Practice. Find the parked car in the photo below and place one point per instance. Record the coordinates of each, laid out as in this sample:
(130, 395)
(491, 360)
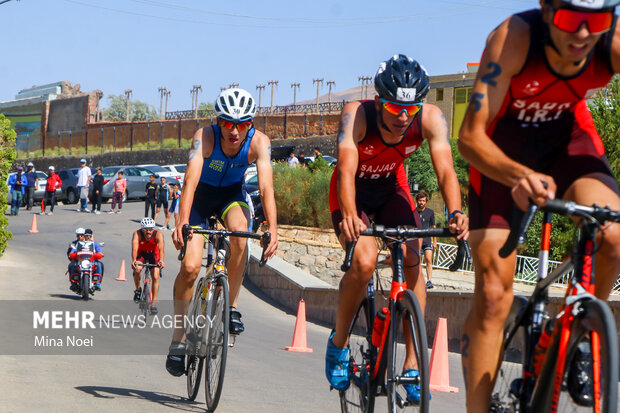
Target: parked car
(161, 171)
(178, 170)
(331, 161)
(251, 187)
(136, 176)
(39, 193)
(70, 194)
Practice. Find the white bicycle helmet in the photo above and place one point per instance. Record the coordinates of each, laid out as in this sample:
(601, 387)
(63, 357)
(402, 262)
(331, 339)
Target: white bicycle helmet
(235, 104)
(147, 223)
(593, 4)
(80, 231)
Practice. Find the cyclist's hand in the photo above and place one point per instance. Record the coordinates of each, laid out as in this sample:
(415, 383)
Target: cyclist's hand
(273, 244)
(177, 235)
(531, 187)
(161, 264)
(351, 226)
(135, 265)
(459, 224)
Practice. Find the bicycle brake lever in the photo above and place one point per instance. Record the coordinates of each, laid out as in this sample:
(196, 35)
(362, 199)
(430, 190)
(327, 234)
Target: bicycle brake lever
(348, 255)
(266, 240)
(185, 234)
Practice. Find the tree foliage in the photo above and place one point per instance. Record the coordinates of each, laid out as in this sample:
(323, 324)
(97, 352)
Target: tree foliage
(605, 108)
(7, 156)
(138, 111)
(206, 106)
(563, 235)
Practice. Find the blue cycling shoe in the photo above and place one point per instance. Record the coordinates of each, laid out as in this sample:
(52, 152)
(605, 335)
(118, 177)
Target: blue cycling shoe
(337, 365)
(413, 390)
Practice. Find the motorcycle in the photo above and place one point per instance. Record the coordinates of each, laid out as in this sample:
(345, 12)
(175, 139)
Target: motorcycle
(85, 257)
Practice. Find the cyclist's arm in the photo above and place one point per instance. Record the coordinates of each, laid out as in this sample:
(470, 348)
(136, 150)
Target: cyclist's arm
(134, 249)
(202, 146)
(351, 130)
(435, 131)
(160, 246)
(262, 150)
(615, 50)
(504, 56)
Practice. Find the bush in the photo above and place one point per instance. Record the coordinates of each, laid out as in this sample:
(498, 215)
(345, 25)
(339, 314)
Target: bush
(7, 155)
(302, 197)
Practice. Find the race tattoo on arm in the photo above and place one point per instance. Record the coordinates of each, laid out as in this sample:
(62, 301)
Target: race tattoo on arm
(343, 124)
(194, 149)
(489, 78)
(464, 345)
(475, 103)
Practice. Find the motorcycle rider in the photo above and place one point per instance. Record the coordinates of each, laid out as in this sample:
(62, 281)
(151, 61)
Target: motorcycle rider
(83, 245)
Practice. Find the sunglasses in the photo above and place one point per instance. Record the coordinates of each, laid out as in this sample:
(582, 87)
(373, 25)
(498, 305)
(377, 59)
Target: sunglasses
(148, 229)
(398, 108)
(570, 21)
(241, 126)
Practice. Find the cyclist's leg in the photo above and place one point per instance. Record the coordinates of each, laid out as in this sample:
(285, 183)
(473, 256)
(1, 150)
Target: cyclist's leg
(428, 259)
(593, 189)
(155, 277)
(236, 218)
(184, 282)
(484, 326)
(137, 271)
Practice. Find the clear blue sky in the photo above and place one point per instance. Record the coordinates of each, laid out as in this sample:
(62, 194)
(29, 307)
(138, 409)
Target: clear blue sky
(115, 45)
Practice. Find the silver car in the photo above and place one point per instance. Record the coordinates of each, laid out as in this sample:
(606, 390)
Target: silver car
(136, 176)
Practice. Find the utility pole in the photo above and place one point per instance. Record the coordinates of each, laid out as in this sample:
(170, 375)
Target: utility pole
(272, 83)
(166, 107)
(295, 86)
(260, 89)
(234, 84)
(330, 83)
(162, 92)
(365, 80)
(128, 94)
(194, 93)
(319, 83)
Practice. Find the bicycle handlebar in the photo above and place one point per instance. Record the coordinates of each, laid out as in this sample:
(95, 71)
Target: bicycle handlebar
(148, 265)
(404, 234)
(265, 238)
(522, 220)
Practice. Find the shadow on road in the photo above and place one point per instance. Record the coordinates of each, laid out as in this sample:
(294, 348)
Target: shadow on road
(165, 399)
(68, 296)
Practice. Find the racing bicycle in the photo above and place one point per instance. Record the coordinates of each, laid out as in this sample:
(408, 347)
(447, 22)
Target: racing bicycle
(377, 342)
(207, 337)
(569, 361)
(146, 289)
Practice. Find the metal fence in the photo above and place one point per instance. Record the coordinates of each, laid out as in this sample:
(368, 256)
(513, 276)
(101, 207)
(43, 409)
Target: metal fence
(327, 107)
(525, 272)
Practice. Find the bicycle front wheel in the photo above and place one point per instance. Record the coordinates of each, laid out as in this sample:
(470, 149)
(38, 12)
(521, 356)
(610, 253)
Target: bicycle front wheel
(593, 372)
(407, 349)
(217, 341)
(360, 396)
(194, 342)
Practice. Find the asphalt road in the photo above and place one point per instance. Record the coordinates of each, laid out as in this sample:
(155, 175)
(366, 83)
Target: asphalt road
(260, 376)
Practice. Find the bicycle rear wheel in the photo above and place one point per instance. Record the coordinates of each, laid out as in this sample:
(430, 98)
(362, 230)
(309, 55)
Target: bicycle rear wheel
(410, 328)
(217, 341)
(596, 319)
(360, 396)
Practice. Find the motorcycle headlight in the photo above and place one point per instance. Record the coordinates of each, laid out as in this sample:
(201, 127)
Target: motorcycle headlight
(85, 264)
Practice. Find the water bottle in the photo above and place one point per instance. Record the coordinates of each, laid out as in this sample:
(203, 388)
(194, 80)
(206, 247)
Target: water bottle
(378, 326)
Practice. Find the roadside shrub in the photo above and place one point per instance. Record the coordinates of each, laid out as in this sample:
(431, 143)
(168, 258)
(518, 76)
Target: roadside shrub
(302, 197)
(7, 155)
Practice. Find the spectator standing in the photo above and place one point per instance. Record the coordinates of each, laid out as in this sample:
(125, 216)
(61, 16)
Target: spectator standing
(163, 194)
(302, 160)
(17, 185)
(317, 153)
(427, 220)
(83, 182)
(174, 205)
(33, 185)
(53, 182)
(120, 186)
(97, 190)
(292, 160)
(150, 193)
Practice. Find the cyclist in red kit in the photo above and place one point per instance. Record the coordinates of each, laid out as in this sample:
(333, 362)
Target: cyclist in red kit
(374, 139)
(529, 135)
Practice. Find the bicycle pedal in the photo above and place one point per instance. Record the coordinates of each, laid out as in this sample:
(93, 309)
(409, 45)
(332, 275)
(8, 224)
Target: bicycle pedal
(231, 343)
(400, 402)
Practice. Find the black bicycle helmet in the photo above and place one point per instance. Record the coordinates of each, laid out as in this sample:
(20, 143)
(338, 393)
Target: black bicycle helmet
(402, 79)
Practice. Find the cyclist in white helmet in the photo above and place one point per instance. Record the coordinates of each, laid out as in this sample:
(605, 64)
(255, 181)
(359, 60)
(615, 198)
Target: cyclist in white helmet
(218, 159)
(528, 123)
(147, 247)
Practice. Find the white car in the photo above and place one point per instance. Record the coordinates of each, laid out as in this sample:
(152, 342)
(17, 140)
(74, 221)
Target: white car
(161, 171)
(178, 170)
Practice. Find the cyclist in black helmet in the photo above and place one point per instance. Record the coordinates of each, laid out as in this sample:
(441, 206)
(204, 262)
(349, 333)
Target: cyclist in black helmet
(374, 139)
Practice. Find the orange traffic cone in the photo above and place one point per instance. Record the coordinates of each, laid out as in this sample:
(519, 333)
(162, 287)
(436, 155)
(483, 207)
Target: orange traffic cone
(440, 371)
(121, 272)
(299, 336)
(33, 228)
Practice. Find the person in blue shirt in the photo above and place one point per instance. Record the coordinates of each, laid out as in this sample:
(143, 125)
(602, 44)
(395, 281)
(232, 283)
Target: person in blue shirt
(33, 185)
(17, 185)
(219, 156)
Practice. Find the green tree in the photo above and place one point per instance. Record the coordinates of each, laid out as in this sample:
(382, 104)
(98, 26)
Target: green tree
(138, 111)
(205, 106)
(563, 235)
(7, 156)
(605, 108)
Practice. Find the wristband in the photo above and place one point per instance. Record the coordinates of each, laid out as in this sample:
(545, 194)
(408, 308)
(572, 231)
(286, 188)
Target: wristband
(453, 213)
